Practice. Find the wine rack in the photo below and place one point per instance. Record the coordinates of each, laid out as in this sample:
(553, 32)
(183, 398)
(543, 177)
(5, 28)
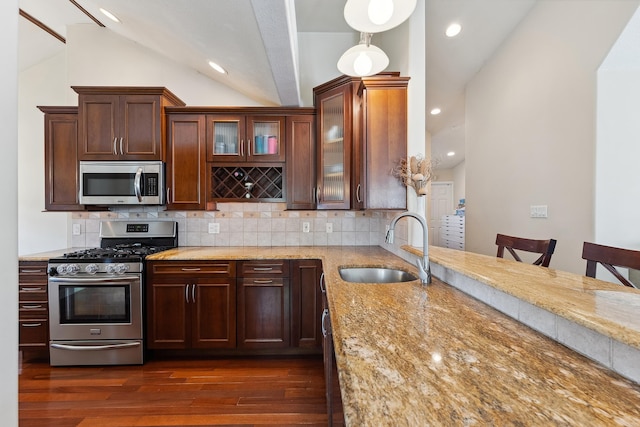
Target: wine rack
(247, 183)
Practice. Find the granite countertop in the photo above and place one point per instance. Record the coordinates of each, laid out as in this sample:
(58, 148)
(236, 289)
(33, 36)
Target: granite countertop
(45, 256)
(414, 355)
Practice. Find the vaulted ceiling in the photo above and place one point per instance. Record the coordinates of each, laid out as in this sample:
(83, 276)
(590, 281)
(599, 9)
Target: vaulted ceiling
(256, 42)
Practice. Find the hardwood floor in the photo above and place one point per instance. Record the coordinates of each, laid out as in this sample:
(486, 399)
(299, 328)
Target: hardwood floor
(234, 391)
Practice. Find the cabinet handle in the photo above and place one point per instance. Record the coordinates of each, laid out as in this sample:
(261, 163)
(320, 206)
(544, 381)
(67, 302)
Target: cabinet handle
(31, 271)
(168, 195)
(318, 194)
(262, 268)
(358, 193)
(31, 325)
(121, 150)
(31, 307)
(115, 150)
(32, 289)
(193, 293)
(313, 194)
(242, 148)
(186, 293)
(190, 268)
(322, 287)
(325, 313)
(262, 282)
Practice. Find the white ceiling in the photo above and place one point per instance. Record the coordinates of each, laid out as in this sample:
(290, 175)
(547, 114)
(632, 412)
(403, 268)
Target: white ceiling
(248, 37)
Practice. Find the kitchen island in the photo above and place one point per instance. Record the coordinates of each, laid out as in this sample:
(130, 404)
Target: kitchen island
(414, 355)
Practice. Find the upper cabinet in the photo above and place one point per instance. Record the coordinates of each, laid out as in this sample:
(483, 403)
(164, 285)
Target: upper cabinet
(361, 135)
(245, 138)
(122, 123)
(60, 158)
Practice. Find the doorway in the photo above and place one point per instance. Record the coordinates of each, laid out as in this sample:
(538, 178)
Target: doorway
(441, 204)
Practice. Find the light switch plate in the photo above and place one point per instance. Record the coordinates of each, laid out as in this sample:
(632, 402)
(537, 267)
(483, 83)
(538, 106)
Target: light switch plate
(306, 227)
(329, 227)
(76, 230)
(539, 211)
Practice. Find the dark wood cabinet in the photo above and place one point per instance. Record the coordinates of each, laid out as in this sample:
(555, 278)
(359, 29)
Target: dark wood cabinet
(233, 138)
(186, 173)
(122, 123)
(382, 142)
(191, 304)
(301, 162)
(333, 397)
(33, 308)
(60, 159)
(306, 304)
(361, 135)
(263, 304)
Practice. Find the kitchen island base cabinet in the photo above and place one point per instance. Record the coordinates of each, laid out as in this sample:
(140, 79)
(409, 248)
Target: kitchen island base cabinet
(191, 305)
(335, 415)
(306, 304)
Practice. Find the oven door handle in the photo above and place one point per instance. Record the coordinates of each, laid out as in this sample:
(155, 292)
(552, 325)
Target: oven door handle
(91, 279)
(94, 347)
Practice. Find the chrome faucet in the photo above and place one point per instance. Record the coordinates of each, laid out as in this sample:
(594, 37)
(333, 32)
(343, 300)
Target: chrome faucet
(424, 271)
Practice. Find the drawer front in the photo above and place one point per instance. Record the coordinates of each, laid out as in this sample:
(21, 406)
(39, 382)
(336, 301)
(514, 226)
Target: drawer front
(32, 292)
(33, 310)
(33, 272)
(34, 333)
(264, 268)
(191, 269)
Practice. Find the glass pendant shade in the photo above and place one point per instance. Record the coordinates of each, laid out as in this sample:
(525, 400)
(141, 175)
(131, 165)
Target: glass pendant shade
(374, 16)
(363, 60)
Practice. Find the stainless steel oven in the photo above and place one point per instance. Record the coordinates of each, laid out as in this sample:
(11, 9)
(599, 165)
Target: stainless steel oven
(97, 313)
(96, 295)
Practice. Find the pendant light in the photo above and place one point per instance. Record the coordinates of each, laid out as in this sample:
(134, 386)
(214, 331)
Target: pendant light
(364, 59)
(374, 16)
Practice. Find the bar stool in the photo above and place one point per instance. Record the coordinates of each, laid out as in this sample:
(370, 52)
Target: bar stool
(610, 257)
(543, 247)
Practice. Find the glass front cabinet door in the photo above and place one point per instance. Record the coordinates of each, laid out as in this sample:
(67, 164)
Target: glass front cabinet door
(232, 139)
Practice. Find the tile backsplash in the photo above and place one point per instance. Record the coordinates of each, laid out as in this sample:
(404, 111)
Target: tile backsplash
(254, 224)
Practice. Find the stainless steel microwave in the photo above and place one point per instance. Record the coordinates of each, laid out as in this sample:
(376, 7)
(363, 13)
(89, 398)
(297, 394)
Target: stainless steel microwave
(121, 183)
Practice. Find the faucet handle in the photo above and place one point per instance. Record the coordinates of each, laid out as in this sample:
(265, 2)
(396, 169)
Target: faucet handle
(389, 237)
(424, 272)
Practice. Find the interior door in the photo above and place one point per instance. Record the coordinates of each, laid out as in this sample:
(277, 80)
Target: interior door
(441, 204)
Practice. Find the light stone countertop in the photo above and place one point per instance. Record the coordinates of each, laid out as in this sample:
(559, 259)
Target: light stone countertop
(410, 355)
(45, 256)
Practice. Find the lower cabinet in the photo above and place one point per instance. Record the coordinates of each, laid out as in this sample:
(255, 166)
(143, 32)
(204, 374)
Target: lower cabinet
(263, 304)
(33, 308)
(191, 304)
(272, 305)
(335, 414)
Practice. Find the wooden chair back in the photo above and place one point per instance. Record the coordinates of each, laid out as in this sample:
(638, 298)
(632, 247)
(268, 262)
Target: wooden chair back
(543, 247)
(610, 257)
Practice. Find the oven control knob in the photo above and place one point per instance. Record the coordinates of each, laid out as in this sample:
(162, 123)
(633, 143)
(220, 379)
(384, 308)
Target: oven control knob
(110, 268)
(62, 269)
(122, 268)
(73, 269)
(92, 268)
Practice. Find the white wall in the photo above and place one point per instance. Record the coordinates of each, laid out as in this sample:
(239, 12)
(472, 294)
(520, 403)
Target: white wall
(459, 189)
(617, 153)
(9, 196)
(531, 128)
(42, 84)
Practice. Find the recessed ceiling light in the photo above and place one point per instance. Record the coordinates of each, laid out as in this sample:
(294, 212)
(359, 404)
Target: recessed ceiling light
(453, 30)
(451, 153)
(435, 111)
(109, 15)
(217, 67)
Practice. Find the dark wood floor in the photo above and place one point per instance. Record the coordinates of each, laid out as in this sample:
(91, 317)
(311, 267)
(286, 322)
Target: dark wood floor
(234, 391)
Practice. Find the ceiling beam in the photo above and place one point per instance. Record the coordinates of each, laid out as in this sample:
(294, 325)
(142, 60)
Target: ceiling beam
(41, 25)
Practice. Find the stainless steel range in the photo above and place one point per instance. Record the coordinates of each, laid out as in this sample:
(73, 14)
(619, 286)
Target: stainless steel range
(95, 295)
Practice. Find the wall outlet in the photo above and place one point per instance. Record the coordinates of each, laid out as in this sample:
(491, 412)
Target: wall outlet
(76, 230)
(329, 227)
(539, 211)
(306, 227)
(214, 228)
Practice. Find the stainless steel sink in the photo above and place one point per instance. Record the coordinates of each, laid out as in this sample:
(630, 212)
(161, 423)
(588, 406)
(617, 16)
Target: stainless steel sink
(375, 275)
